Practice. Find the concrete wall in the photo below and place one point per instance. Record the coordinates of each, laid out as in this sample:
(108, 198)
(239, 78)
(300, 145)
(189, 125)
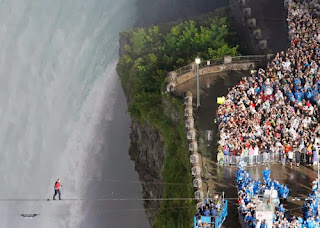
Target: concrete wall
(174, 79)
(195, 158)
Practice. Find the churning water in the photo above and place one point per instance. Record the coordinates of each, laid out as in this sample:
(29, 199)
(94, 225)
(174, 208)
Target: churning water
(62, 114)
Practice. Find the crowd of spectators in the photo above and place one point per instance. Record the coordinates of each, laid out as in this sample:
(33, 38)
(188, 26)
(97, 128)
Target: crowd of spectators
(271, 192)
(250, 192)
(277, 109)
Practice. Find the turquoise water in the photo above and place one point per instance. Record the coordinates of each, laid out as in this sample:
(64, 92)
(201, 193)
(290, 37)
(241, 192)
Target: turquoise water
(62, 111)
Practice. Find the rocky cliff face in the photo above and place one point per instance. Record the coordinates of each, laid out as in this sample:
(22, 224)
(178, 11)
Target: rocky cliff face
(148, 151)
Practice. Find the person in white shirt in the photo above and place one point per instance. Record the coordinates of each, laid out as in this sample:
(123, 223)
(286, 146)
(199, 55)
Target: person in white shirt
(290, 156)
(305, 123)
(311, 110)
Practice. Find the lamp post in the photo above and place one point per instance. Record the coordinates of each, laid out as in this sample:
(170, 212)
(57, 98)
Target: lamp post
(198, 61)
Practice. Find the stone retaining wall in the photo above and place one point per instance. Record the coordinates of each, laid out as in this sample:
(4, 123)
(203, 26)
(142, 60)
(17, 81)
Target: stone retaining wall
(193, 146)
(228, 63)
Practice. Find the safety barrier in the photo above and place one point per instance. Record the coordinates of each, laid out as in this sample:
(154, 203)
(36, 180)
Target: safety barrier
(183, 70)
(262, 158)
(222, 215)
(219, 61)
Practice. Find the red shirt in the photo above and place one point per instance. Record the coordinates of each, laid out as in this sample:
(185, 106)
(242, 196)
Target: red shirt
(294, 41)
(308, 103)
(240, 138)
(57, 185)
(287, 149)
(262, 95)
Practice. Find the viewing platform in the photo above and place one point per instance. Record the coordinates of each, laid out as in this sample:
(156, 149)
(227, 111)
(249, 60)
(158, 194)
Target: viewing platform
(225, 64)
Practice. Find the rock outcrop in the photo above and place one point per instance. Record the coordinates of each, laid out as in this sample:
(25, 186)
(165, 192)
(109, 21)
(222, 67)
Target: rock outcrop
(148, 152)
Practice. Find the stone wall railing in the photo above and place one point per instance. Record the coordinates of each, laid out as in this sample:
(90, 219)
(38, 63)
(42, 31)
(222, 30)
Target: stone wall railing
(227, 63)
(193, 146)
(251, 23)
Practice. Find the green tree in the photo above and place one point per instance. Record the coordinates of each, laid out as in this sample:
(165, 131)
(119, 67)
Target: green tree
(138, 41)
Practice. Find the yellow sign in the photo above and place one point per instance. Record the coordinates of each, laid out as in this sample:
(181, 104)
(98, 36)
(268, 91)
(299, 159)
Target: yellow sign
(221, 100)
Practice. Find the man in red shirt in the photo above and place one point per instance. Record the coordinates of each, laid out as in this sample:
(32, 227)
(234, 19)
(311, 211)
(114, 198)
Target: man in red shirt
(57, 187)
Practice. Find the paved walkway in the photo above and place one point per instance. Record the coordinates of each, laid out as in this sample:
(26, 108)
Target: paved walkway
(299, 180)
(220, 179)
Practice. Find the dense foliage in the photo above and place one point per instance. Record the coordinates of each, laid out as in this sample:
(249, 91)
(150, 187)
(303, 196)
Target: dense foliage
(149, 54)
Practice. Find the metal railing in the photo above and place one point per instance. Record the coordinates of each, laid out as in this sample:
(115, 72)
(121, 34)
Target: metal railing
(216, 221)
(249, 58)
(222, 215)
(183, 70)
(220, 61)
(262, 158)
(211, 62)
